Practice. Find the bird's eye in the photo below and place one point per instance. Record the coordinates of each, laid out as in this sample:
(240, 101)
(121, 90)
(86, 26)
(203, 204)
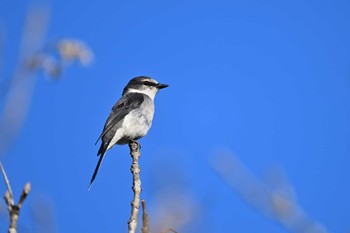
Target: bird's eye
(150, 84)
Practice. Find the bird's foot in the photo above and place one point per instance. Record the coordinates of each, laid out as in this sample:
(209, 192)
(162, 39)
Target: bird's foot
(134, 145)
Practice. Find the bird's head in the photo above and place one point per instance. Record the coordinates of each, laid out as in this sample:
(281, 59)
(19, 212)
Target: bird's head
(144, 85)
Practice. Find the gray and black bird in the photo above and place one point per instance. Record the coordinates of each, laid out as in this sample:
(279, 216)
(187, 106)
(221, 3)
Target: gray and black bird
(131, 117)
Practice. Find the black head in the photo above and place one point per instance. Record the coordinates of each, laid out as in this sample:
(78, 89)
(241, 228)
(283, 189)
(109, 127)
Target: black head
(144, 84)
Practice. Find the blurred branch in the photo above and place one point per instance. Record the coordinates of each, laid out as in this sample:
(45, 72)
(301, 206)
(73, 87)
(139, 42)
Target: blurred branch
(71, 50)
(1, 50)
(136, 187)
(145, 219)
(20, 85)
(34, 57)
(169, 230)
(17, 90)
(275, 198)
(42, 210)
(11, 207)
(174, 202)
(57, 56)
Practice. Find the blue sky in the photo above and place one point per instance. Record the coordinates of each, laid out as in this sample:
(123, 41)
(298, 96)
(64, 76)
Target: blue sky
(268, 82)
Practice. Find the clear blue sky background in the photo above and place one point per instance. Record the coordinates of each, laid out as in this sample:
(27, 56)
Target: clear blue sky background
(267, 80)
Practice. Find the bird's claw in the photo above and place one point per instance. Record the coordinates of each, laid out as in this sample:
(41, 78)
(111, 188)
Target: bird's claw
(134, 145)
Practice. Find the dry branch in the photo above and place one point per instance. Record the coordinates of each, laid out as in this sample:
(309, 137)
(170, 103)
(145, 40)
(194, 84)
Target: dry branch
(13, 208)
(136, 187)
(145, 219)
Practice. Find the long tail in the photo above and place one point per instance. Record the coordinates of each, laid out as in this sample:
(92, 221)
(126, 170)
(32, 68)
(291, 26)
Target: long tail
(96, 169)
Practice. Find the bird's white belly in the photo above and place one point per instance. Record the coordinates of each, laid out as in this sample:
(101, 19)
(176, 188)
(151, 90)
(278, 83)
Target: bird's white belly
(135, 125)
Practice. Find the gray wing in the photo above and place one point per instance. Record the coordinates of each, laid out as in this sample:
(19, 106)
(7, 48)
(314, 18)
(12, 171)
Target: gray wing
(125, 105)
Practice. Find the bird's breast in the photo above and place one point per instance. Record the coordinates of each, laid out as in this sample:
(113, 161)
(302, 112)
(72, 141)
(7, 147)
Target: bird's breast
(138, 122)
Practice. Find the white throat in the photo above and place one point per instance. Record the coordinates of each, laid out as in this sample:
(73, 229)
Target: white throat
(149, 92)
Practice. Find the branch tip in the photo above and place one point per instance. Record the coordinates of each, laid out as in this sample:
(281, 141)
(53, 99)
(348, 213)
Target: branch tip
(27, 188)
(24, 194)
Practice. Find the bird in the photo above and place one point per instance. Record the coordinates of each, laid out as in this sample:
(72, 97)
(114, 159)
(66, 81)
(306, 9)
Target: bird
(130, 118)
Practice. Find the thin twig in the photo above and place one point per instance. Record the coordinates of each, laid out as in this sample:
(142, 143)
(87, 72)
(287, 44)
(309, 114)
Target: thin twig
(136, 187)
(7, 182)
(145, 219)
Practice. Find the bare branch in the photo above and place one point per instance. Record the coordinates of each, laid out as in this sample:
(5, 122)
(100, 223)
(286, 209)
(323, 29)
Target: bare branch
(136, 187)
(11, 207)
(8, 194)
(145, 219)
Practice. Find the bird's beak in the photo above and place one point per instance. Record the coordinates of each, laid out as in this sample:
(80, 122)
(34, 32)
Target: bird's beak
(161, 86)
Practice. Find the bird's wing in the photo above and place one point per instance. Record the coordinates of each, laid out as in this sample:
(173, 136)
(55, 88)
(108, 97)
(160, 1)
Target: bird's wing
(125, 104)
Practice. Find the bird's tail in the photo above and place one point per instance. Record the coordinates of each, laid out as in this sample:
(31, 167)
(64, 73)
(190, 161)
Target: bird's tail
(96, 169)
